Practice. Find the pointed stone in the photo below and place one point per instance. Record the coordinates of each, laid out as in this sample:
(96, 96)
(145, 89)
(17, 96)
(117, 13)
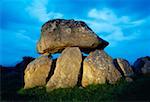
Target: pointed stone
(67, 69)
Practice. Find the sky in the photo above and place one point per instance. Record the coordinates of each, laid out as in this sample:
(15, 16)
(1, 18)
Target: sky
(125, 24)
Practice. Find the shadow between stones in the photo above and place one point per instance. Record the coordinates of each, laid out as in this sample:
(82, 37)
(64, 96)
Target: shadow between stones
(118, 67)
(79, 83)
(53, 66)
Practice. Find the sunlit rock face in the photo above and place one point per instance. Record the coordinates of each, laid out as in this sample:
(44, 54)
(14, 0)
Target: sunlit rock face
(98, 68)
(67, 69)
(58, 34)
(37, 71)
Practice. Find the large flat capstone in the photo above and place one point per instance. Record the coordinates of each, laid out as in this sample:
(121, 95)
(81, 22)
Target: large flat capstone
(58, 34)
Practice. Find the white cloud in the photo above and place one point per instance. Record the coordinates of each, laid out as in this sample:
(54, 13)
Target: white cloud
(100, 26)
(105, 20)
(38, 10)
(105, 15)
(21, 34)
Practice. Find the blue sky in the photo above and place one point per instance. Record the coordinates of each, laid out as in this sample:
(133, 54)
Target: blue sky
(125, 24)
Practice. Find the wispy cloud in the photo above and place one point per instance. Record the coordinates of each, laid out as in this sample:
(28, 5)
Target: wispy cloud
(38, 9)
(21, 34)
(105, 15)
(105, 20)
(124, 24)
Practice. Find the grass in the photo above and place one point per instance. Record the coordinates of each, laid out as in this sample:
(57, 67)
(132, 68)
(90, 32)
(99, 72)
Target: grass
(138, 90)
(121, 91)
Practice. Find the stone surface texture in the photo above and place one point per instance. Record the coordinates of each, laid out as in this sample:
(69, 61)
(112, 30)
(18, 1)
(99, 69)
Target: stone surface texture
(37, 71)
(67, 69)
(58, 34)
(125, 67)
(98, 68)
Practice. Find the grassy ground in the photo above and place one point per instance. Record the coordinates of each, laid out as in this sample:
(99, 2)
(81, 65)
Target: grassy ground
(122, 91)
(11, 90)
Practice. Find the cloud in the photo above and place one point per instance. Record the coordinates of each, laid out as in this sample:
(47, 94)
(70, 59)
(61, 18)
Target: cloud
(108, 25)
(38, 10)
(105, 15)
(125, 24)
(21, 35)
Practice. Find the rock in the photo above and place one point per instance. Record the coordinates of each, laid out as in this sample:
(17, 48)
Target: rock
(58, 34)
(98, 68)
(124, 67)
(21, 66)
(25, 61)
(141, 65)
(67, 69)
(147, 64)
(128, 79)
(146, 68)
(37, 71)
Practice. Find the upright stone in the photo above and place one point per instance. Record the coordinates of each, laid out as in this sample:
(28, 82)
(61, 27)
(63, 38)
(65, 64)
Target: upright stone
(37, 71)
(67, 69)
(125, 67)
(98, 68)
(58, 34)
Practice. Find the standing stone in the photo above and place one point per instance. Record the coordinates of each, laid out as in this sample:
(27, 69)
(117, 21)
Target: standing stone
(98, 68)
(67, 69)
(58, 34)
(37, 71)
(125, 67)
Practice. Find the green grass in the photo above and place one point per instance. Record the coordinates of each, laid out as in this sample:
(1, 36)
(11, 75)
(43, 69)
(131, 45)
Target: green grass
(137, 90)
(121, 91)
